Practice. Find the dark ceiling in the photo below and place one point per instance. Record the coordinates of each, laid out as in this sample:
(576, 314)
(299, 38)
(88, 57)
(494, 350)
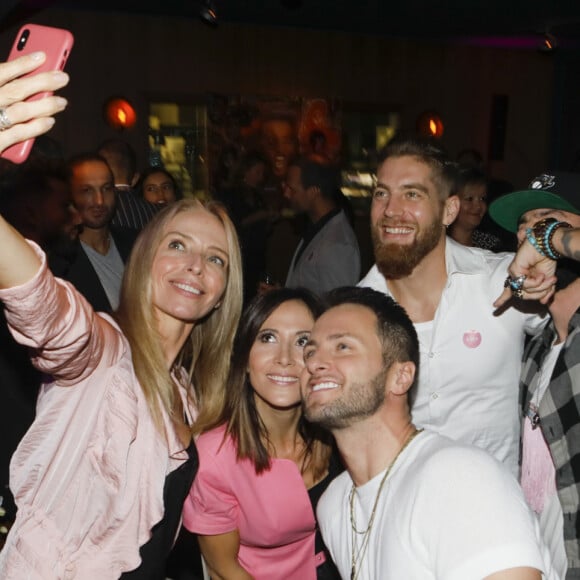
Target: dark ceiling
(429, 19)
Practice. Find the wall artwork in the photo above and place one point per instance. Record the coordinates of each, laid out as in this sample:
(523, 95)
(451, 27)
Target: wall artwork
(279, 129)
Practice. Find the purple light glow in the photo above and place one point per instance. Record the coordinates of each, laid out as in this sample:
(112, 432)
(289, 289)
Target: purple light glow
(510, 42)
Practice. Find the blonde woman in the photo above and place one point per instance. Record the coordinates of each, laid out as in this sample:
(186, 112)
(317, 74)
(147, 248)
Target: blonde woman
(100, 477)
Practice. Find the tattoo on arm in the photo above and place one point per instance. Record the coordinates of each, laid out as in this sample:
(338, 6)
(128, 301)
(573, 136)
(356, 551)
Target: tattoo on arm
(571, 243)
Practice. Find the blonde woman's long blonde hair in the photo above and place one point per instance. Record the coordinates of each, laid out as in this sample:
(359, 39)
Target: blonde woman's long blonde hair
(206, 354)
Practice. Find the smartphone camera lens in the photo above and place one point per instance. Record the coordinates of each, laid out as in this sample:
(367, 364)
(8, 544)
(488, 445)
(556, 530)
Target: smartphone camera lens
(23, 39)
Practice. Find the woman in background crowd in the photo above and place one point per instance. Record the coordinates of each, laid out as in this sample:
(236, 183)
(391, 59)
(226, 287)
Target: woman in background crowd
(156, 185)
(472, 192)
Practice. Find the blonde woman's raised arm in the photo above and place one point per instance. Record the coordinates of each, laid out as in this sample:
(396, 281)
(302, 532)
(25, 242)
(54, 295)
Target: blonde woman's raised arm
(18, 262)
(28, 119)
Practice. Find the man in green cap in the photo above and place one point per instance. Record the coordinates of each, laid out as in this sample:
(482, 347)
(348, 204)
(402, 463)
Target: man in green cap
(546, 219)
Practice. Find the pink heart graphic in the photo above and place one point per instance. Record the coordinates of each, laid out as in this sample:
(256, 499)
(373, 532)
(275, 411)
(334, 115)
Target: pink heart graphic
(472, 339)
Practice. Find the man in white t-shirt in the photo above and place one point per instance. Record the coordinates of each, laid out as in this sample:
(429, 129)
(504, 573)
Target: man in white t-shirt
(412, 504)
(470, 353)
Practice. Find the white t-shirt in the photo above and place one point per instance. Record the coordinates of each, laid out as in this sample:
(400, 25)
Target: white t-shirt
(109, 268)
(470, 358)
(447, 511)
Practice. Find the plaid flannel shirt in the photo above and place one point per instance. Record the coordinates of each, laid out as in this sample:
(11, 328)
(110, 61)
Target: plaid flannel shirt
(560, 423)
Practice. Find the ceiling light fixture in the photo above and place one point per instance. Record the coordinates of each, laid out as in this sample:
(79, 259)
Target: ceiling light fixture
(119, 113)
(430, 124)
(208, 13)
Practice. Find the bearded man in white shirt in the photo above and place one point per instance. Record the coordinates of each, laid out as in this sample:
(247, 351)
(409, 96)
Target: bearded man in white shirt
(470, 352)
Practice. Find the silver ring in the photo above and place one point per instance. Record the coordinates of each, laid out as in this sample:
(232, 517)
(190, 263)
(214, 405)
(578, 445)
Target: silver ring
(5, 122)
(516, 285)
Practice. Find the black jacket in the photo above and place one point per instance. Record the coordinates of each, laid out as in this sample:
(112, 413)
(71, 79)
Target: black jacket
(77, 268)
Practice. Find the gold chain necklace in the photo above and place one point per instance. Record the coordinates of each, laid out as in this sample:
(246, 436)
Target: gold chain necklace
(357, 554)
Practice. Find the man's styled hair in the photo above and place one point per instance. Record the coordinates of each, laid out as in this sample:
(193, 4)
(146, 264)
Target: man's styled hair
(314, 174)
(394, 327)
(87, 157)
(121, 158)
(427, 151)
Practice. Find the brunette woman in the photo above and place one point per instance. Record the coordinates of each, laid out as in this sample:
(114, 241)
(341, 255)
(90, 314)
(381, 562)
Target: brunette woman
(263, 469)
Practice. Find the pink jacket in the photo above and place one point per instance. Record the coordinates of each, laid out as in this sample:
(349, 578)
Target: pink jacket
(88, 476)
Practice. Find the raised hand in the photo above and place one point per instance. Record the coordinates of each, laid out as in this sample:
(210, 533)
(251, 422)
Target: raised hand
(21, 120)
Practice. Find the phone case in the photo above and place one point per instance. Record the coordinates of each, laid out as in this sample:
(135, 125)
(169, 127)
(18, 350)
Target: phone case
(57, 44)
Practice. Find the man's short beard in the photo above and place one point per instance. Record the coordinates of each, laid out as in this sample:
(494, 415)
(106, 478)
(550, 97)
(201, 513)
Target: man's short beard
(361, 401)
(396, 261)
(103, 222)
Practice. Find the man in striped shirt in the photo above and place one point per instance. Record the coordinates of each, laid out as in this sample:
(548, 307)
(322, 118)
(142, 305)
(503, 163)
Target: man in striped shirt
(131, 210)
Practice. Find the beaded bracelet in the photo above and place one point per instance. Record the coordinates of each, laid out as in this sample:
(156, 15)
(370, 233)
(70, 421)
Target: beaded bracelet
(552, 252)
(531, 238)
(541, 235)
(536, 235)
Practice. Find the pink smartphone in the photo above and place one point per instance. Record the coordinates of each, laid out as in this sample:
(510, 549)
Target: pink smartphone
(57, 44)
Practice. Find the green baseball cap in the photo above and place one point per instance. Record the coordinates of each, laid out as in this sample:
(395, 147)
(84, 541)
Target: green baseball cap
(551, 190)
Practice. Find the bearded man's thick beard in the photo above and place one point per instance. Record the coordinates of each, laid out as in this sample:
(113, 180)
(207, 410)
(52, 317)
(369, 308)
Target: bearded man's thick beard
(395, 261)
